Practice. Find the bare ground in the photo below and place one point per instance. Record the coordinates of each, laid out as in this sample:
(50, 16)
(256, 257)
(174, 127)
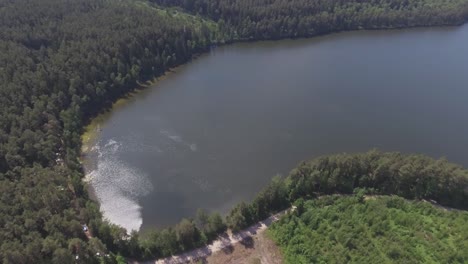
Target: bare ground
(259, 249)
(247, 246)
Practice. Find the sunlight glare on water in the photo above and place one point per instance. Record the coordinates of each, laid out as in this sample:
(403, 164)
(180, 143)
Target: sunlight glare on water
(118, 187)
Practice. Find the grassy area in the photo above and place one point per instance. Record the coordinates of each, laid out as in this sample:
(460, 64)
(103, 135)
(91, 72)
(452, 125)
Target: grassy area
(387, 229)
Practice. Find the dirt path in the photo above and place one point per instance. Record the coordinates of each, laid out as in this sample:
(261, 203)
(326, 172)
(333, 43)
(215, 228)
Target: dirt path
(224, 242)
(258, 249)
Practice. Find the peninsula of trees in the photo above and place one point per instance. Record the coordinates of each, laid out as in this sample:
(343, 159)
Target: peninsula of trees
(63, 61)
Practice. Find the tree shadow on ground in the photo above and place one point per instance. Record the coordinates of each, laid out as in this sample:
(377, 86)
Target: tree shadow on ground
(248, 242)
(228, 249)
(200, 261)
(223, 236)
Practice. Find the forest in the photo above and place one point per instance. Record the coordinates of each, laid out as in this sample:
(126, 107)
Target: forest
(64, 61)
(381, 173)
(276, 19)
(371, 229)
(373, 173)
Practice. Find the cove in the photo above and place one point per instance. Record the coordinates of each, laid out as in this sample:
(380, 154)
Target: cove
(216, 131)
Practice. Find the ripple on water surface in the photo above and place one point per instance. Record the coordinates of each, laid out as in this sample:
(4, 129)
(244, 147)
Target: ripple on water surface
(118, 186)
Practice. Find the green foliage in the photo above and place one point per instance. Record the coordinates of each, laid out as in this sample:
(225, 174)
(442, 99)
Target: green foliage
(274, 19)
(63, 61)
(186, 235)
(374, 172)
(409, 176)
(120, 260)
(337, 229)
(359, 193)
(271, 199)
(209, 225)
(240, 217)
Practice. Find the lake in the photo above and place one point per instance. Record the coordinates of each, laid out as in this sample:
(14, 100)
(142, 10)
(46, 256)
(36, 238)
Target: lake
(218, 129)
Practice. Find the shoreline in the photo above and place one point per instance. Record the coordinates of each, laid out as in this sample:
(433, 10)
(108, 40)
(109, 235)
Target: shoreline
(91, 131)
(229, 239)
(92, 128)
(225, 240)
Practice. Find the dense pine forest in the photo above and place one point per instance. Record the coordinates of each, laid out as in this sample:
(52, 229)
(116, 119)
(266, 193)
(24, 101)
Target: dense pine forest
(60, 63)
(367, 229)
(275, 19)
(63, 61)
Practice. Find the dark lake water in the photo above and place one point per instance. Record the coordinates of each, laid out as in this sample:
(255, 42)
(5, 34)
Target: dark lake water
(219, 129)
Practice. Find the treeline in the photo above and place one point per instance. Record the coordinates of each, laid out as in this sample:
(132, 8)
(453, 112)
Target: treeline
(62, 61)
(357, 229)
(198, 231)
(411, 176)
(186, 235)
(275, 19)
